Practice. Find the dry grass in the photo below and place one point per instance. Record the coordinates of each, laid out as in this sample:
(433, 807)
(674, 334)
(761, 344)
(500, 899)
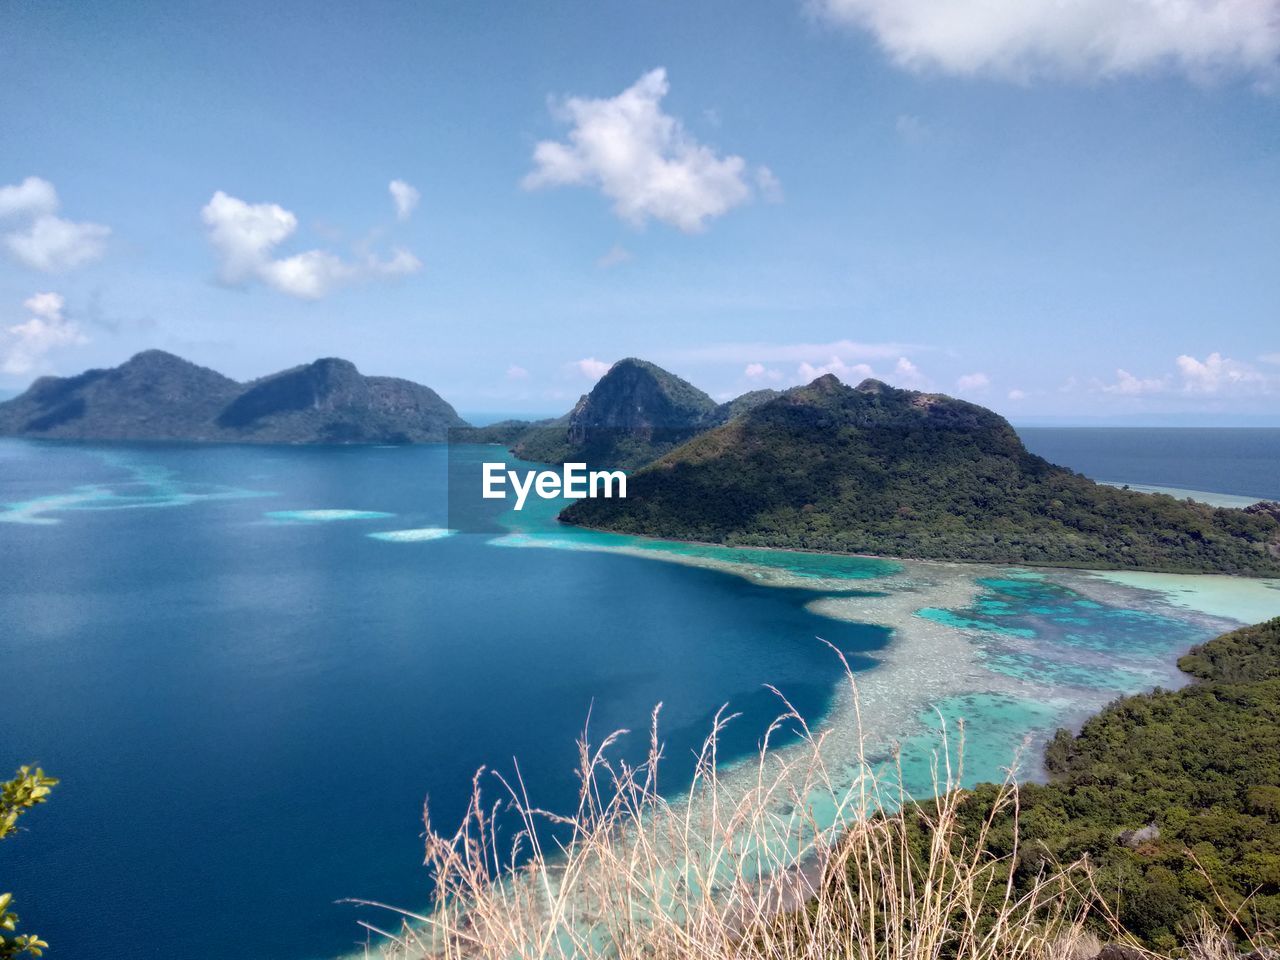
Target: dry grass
(775, 860)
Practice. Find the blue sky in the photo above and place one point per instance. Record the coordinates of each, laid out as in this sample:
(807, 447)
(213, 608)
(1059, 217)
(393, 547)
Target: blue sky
(1060, 210)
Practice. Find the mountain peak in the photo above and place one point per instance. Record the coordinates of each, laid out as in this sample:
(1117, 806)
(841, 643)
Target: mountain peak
(153, 362)
(334, 365)
(827, 383)
(634, 413)
(154, 356)
(872, 385)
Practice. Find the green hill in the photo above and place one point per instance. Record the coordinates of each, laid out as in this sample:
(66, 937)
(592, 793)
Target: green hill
(1174, 797)
(892, 472)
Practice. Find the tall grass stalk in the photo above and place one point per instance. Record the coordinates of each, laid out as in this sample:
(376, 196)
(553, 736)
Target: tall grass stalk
(776, 859)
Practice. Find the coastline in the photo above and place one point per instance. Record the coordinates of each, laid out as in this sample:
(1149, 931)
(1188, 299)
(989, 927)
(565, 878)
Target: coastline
(880, 722)
(886, 558)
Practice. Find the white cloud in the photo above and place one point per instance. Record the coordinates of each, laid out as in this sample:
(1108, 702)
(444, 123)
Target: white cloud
(1130, 386)
(47, 328)
(245, 237)
(404, 197)
(591, 368)
(1016, 394)
(758, 371)
(1024, 39)
(614, 256)
(907, 374)
(46, 241)
(517, 372)
(1217, 374)
(1270, 358)
(32, 197)
(973, 382)
(51, 243)
(768, 184)
(843, 371)
(643, 160)
(245, 234)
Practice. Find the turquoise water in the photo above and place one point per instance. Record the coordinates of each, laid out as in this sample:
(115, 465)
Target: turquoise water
(251, 664)
(1030, 628)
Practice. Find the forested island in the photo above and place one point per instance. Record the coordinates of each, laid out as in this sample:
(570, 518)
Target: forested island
(877, 470)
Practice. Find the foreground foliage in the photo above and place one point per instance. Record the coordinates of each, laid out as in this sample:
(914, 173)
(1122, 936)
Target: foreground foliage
(746, 867)
(742, 867)
(26, 790)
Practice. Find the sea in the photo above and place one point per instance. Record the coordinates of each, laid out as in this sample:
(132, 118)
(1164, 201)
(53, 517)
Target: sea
(251, 666)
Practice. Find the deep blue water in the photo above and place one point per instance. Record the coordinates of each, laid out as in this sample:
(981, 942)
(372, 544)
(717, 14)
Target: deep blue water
(1239, 460)
(247, 703)
(247, 714)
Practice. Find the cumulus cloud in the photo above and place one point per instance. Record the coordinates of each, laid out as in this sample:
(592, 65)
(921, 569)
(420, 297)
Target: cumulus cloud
(644, 160)
(404, 197)
(1270, 358)
(1126, 384)
(32, 197)
(758, 371)
(1024, 39)
(245, 237)
(1016, 394)
(614, 256)
(591, 368)
(517, 372)
(1216, 374)
(907, 374)
(973, 382)
(46, 328)
(41, 239)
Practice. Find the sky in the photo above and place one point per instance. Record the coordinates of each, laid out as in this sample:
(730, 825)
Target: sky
(1066, 210)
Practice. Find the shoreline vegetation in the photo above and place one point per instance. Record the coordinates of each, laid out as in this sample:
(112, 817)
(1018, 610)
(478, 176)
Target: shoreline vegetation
(1151, 837)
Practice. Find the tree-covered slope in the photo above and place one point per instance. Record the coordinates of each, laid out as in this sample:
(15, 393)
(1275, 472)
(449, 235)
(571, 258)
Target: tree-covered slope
(883, 471)
(1174, 797)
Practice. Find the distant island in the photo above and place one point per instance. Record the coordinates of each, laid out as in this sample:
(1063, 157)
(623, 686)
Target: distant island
(159, 396)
